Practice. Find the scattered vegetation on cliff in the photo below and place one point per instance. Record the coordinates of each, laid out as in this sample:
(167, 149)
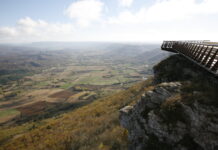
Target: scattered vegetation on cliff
(197, 84)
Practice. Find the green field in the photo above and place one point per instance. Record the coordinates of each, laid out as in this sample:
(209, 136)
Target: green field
(8, 112)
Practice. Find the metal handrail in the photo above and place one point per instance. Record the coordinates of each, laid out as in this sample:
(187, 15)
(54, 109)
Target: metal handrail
(204, 53)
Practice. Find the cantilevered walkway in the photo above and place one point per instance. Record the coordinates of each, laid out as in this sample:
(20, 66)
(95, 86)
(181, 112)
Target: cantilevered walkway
(203, 53)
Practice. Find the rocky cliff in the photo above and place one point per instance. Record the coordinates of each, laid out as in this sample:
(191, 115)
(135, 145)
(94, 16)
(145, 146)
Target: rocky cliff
(180, 113)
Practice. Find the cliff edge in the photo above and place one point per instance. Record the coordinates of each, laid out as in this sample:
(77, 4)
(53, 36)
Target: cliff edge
(180, 113)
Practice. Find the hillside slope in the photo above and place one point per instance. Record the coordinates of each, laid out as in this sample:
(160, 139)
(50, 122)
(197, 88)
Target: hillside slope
(95, 126)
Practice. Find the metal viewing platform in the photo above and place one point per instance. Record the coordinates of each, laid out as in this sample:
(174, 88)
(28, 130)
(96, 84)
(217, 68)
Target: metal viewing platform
(203, 53)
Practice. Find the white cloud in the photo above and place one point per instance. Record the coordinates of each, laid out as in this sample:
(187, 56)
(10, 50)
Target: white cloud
(7, 31)
(166, 11)
(127, 17)
(31, 23)
(169, 19)
(126, 3)
(85, 11)
(28, 29)
(169, 10)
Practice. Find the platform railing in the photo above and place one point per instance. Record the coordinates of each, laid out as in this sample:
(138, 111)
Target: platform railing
(203, 53)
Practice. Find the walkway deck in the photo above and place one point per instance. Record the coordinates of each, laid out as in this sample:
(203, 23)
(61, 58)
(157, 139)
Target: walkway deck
(203, 53)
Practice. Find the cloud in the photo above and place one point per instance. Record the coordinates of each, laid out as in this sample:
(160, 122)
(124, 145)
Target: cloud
(167, 11)
(170, 10)
(127, 17)
(125, 3)
(169, 19)
(28, 29)
(7, 31)
(31, 23)
(85, 11)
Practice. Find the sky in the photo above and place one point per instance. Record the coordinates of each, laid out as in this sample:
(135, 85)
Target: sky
(107, 20)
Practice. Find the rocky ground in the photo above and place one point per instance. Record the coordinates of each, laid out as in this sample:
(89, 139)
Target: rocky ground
(180, 113)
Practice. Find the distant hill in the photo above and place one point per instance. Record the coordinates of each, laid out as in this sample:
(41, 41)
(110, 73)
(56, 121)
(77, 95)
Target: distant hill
(152, 56)
(88, 45)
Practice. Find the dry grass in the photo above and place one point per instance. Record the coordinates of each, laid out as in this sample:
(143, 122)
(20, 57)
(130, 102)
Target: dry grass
(171, 102)
(92, 127)
(8, 114)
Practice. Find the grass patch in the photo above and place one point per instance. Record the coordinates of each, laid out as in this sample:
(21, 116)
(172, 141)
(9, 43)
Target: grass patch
(67, 85)
(43, 83)
(8, 112)
(97, 80)
(8, 133)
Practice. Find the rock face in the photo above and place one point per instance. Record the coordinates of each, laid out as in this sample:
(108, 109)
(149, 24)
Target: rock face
(178, 68)
(163, 119)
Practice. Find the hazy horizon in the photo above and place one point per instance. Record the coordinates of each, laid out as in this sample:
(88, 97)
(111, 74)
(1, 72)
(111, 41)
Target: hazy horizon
(67, 42)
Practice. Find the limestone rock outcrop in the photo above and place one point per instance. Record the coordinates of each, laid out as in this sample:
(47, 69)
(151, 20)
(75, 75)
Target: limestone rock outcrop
(173, 117)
